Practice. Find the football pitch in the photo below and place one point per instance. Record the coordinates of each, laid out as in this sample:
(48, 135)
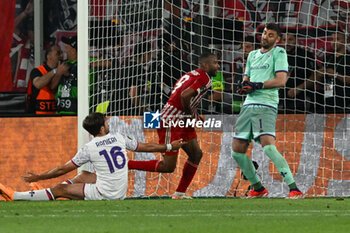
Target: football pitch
(166, 215)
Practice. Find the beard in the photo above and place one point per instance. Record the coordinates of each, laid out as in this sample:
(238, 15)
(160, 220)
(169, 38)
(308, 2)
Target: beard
(267, 45)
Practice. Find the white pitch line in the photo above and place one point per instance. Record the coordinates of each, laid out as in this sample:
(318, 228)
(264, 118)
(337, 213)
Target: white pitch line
(237, 214)
(187, 211)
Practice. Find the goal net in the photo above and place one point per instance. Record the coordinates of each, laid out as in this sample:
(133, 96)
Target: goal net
(139, 49)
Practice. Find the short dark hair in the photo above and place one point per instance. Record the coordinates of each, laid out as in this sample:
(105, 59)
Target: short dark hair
(249, 39)
(274, 27)
(48, 51)
(93, 123)
(203, 57)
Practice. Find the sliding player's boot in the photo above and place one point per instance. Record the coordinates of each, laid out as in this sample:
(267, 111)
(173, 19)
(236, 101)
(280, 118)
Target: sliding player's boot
(6, 192)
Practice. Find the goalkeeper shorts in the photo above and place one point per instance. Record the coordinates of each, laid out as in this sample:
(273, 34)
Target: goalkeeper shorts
(254, 121)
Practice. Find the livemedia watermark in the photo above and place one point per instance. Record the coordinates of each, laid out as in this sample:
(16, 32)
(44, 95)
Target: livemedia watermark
(152, 120)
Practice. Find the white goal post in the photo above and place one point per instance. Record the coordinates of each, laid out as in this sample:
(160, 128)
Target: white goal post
(83, 70)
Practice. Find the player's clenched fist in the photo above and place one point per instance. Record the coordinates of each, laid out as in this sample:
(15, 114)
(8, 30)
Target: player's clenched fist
(177, 144)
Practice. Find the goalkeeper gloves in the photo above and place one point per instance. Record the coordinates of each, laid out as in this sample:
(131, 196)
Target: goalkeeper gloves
(248, 87)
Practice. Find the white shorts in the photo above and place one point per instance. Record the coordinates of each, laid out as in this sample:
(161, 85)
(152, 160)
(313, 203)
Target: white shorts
(91, 193)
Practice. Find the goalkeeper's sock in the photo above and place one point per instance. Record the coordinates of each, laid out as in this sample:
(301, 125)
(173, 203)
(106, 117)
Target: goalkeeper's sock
(247, 167)
(68, 181)
(188, 172)
(150, 165)
(35, 195)
(293, 186)
(280, 163)
(258, 187)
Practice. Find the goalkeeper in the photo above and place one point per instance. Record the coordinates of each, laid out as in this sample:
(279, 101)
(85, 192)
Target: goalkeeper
(265, 73)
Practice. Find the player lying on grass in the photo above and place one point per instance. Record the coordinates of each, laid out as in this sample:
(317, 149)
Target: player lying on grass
(106, 152)
(265, 72)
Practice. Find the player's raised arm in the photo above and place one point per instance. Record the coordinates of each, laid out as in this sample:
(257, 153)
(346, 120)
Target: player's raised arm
(154, 147)
(56, 172)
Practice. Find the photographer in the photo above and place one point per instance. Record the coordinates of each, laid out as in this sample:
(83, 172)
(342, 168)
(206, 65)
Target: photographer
(43, 82)
(67, 92)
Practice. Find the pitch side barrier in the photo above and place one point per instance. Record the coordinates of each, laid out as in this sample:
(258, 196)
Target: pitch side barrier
(316, 147)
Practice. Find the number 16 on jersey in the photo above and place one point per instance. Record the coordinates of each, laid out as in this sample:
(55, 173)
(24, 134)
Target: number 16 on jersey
(113, 155)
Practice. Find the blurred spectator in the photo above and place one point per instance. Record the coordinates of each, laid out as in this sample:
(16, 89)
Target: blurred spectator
(24, 22)
(173, 66)
(138, 80)
(101, 80)
(59, 15)
(301, 65)
(216, 95)
(22, 52)
(338, 72)
(44, 81)
(247, 46)
(331, 82)
(341, 15)
(176, 25)
(223, 97)
(172, 17)
(67, 92)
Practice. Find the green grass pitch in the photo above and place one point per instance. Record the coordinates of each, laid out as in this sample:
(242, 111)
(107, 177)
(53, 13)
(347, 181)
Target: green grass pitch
(166, 215)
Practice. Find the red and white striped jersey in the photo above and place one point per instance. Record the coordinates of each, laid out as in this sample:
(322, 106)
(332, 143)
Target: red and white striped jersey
(199, 81)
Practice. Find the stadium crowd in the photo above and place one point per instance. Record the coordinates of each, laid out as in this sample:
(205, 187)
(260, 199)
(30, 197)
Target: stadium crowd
(134, 85)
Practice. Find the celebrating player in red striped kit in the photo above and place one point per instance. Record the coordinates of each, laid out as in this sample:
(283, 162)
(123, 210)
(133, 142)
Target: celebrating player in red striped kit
(182, 106)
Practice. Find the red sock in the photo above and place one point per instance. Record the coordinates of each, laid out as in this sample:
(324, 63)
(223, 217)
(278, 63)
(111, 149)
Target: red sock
(150, 165)
(187, 176)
